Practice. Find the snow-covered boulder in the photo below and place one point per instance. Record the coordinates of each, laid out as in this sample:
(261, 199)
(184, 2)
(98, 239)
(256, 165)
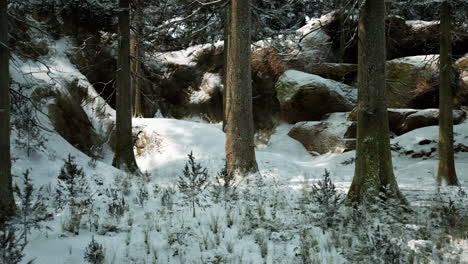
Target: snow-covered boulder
(330, 135)
(206, 101)
(413, 82)
(341, 72)
(461, 65)
(308, 97)
(424, 118)
(402, 121)
(315, 43)
(423, 142)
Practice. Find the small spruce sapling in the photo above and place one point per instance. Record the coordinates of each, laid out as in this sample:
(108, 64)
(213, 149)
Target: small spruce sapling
(32, 208)
(224, 184)
(324, 194)
(73, 191)
(117, 205)
(26, 123)
(94, 252)
(11, 247)
(193, 181)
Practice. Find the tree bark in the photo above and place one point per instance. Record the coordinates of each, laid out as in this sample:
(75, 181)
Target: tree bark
(7, 203)
(136, 54)
(124, 157)
(225, 58)
(240, 148)
(342, 17)
(446, 156)
(374, 172)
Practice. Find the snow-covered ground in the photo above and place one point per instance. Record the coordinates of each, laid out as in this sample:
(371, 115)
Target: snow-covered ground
(275, 223)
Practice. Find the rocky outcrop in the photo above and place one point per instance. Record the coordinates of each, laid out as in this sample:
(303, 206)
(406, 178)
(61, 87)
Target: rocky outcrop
(413, 82)
(321, 137)
(192, 87)
(96, 59)
(424, 118)
(461, 66)
(402, 121)
(72, 123)
(314, 41)
(404, 38)
(340, 72)
(308, 97)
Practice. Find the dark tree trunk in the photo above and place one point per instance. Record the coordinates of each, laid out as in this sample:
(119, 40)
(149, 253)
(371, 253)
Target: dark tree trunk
(7, 203)
(374, 172)
(225, 57)
(240, 148)
(446, 156)
(342, 17)
(124, 157)
(137, 55)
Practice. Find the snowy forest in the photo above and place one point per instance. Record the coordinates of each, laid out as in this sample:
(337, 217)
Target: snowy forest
(233, 131)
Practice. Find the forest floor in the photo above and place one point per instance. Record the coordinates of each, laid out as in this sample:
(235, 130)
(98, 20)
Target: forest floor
(293, 216)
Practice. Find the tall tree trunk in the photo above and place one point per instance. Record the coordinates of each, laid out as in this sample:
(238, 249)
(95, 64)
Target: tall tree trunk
(136, 54)
(374, 172)
(342, 18)
(240, 148)
(7, 203)
(124, 157)
(227, 26)
(446, 156)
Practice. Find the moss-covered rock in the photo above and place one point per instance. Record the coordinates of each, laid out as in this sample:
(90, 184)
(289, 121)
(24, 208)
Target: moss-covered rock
(412, 82)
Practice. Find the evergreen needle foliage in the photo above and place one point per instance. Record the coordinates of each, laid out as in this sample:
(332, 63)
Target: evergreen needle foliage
(224, 184)
(32, 208)
(325, 195)
(11, 246)
(193, 181)
(72, 189)
(94, 252)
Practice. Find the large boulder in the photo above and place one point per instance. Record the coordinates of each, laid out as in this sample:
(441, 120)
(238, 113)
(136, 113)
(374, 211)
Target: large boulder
(314, 41)
(308, 97)
(404, 38)
(340, 72)
(207, 101)
(330, 135)
(461, 65)
(402, 121)
(96, 59)
(424, 118)
(267, 67)
(413, 82)
(191, 84)
(71, 122)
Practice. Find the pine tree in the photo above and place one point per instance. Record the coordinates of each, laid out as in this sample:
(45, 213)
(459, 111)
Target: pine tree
(240, 148)
(446, 156)
(193, 181)
(7, 203)
(124, 157)
(374, 170)
(137, 56)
